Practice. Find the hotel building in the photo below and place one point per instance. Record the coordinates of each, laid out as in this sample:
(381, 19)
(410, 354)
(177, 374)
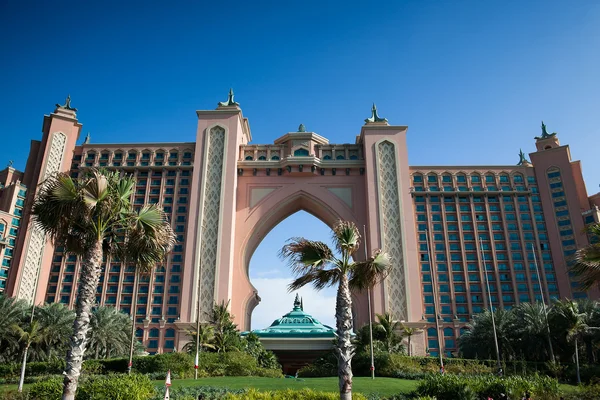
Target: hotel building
(224, 194)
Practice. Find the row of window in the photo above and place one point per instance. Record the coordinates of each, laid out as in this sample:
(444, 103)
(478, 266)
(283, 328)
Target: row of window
(475, 178)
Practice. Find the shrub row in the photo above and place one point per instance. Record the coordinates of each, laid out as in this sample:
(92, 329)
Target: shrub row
(459, 387)
(180, 364)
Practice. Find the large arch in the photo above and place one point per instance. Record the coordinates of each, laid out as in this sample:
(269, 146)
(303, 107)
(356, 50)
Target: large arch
(256, 218)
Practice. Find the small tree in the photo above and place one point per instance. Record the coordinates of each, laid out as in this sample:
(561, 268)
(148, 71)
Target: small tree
(409, 333)
(33, 333)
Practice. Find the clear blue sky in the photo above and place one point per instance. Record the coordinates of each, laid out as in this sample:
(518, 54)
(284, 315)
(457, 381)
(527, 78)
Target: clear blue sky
(471, 79)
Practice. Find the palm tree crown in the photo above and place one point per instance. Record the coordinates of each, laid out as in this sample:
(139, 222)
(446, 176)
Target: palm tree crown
(587, 260)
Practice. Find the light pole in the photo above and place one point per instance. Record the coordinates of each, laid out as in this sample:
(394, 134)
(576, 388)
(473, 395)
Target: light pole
(537, 271)
(487, 284)
(435, 305)
(370, 314)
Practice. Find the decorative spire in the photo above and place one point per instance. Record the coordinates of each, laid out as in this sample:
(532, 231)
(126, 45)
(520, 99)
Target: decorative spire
(10, 163)
(87, 138)
(301, 128)
(67, 104)
(374, 117)
(301, 303)
(297, 302)
(545, 134)
(522, 159)
(230, 102)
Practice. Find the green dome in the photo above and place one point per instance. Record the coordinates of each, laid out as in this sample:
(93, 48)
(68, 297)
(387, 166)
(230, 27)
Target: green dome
(296, 324)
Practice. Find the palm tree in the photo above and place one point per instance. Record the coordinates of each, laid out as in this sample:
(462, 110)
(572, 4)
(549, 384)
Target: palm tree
(90, 217)
(478, 339)
(226, 337)
(206, 339)
(388, 327)
(12, 312)
(33, 333)
(409, 333)
(587, 261)
(314, 263)
(57, 320)
(575, 322)
(532, 330)
(148, 240)
(109, 332)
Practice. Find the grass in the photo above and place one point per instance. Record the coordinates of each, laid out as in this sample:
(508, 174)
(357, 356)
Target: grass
(382, 386)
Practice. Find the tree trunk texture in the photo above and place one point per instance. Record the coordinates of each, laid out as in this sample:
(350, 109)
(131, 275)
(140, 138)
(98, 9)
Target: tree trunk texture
(132, 313)
(344, 347)
(409, 346)
(577, 362)
(88, 281)
(22, 379)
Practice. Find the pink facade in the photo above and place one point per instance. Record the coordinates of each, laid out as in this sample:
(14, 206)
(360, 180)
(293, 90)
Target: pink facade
(224, 194)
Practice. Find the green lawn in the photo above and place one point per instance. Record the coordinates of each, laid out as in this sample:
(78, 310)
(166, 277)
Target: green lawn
(383, 386)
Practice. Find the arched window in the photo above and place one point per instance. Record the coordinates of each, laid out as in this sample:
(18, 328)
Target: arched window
(301, 153)
(262, 158)
(432, 178)
(431, 332)
(448, 332)
(248, 158)
(170, 333)
(354, 157)
(154, 333)
(327, 157)
(489, 178)
(340, 157)
(275, 158)
(518, 178)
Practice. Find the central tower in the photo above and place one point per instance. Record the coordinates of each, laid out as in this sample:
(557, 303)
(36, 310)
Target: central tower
(243, 190)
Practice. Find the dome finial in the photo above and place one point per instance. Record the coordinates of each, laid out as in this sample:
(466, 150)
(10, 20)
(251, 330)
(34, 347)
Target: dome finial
(374, 117)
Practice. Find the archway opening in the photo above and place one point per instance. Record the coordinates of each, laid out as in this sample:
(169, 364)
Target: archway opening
(271, 276)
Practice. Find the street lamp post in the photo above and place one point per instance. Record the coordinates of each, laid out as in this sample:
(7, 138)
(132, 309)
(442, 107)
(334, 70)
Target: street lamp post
(487, 284)
(370, 312)
(435, 304)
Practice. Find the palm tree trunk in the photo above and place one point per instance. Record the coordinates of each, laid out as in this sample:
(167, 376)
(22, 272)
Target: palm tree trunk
(409, 345)
(344, 347)
(88, 281)
(22, 380)
(136, 280)
(577, 362)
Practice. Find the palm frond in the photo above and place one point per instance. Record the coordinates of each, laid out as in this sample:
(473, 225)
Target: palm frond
(304, 255)
(346, 237)
(366, 274)
(95, 189)
(587, 266)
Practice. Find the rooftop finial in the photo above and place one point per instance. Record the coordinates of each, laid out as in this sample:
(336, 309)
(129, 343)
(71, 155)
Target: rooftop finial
(297, 303)
(301, 128)
(522, 159)
(67, 104)
(545, 134)
(374, 117)
(10, 163)
(230, 101)
(301, 303)
(87, 138)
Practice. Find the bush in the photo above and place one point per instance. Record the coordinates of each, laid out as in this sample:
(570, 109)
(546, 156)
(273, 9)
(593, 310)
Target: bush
(192, 393)
(50, 389)
(116, 387)
(305, 394)
(451, 387)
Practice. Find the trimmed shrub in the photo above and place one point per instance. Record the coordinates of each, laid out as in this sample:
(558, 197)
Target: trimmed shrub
(116, 387)
(305, 394)
(192, 393)
(457, 387)
(50, 389)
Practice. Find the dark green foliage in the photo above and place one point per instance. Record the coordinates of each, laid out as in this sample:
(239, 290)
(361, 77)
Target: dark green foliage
(461, 387)
(50, 389)
(192, 393)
